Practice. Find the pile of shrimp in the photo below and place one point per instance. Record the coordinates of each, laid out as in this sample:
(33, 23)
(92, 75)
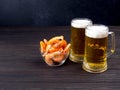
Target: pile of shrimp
(54, 50)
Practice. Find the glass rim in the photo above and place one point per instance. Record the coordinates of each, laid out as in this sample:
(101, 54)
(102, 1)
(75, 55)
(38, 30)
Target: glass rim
(98, 25)
(97, 31)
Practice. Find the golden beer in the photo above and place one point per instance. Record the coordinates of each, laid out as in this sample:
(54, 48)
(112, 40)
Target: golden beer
(96, 43)
(78, 38)
(95, 54)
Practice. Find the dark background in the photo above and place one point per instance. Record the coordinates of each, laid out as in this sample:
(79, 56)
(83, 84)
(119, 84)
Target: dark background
(57, 12)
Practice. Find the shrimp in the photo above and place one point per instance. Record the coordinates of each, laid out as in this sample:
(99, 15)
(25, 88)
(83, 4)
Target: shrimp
(42, 46)
(54, 40)
(60, 44)
(59, 57)
(48, 59)
(52, 49)
(47, 49)
(57, 46)
(54, 57)
(45, 41)
(66, 50)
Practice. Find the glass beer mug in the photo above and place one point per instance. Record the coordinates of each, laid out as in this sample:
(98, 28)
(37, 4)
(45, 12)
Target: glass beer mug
(78, 26)
(96, 48)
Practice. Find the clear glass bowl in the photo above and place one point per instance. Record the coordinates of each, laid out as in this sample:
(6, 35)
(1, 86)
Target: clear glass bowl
(55, 59)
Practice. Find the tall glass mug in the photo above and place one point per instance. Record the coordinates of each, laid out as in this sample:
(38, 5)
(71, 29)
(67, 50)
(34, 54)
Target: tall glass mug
(78, 26)
(96, 48)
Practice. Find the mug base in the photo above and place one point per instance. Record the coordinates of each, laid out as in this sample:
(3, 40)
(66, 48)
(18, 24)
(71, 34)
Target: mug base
(94, 70)
(76, 59)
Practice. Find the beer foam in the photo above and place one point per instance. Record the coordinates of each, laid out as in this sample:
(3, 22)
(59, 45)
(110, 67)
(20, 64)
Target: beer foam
(81, 23)
(97, 31)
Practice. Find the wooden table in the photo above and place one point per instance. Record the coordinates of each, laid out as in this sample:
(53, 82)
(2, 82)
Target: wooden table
(22, 68)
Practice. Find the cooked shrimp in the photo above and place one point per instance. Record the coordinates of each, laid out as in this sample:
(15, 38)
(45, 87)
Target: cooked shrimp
(48, 59)
(59, 57)
(66, 50)
(51, 55)
(57, 46)
(55, 40)
(54, 57)
(47, 49)
(42, 46)
(60, 44)
(45, 41)
(54, 50)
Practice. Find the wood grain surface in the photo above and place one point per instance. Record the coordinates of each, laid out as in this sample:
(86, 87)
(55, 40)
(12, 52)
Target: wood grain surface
(22, 68)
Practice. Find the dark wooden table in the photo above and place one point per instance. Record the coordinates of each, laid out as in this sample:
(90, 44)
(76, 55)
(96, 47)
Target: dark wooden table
(22, 68)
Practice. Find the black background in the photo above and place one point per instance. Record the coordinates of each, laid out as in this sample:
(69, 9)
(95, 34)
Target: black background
(58, 12)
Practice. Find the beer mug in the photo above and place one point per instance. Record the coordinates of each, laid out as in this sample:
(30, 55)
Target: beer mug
(78, 26)
(96, 48)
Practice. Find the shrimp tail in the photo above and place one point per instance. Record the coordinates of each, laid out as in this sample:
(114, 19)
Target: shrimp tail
(66, 50)
(42, 46)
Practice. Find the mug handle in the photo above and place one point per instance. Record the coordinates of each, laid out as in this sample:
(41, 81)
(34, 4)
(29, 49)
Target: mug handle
(112, 48)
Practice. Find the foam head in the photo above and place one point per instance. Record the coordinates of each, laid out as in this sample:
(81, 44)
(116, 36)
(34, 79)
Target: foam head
(97, 31)
(81, 22)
